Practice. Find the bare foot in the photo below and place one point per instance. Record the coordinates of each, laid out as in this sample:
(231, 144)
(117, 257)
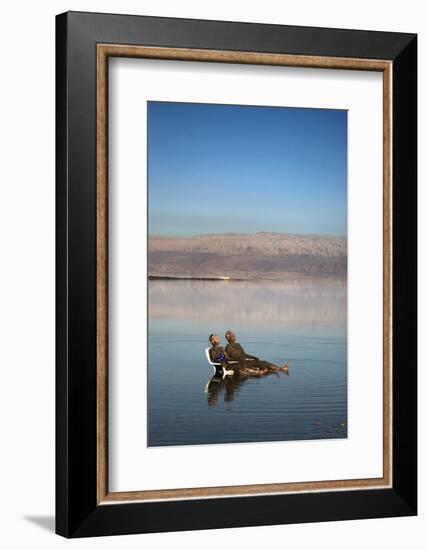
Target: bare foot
(285, 367)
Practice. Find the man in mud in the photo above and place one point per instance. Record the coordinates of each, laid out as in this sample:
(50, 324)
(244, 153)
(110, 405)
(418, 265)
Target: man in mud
(236, 352)
(219, 355)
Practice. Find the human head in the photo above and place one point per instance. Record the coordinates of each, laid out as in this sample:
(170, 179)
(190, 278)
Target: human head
(214, 339)
(230, 336)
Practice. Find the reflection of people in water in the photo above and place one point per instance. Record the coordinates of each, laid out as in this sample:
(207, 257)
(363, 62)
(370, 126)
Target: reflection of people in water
(241, 367)
(236, 352)
(230, 384)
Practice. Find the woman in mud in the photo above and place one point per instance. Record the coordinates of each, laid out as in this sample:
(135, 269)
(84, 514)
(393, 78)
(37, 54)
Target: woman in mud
(219, 355)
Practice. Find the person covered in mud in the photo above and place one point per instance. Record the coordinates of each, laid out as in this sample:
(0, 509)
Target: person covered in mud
(236, 352)
(219, 355)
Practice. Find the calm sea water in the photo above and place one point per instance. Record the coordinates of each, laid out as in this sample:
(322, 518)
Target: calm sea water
(300, 322)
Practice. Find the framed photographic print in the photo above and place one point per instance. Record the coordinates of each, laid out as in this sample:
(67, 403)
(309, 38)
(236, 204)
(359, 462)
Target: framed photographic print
(236, 274)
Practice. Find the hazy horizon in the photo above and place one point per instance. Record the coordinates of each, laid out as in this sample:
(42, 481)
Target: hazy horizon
(171, 236)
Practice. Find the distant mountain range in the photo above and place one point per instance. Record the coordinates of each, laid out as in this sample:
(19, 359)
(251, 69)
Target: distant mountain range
(248, 256)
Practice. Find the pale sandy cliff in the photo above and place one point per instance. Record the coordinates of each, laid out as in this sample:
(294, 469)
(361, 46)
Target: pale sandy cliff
(248, 256)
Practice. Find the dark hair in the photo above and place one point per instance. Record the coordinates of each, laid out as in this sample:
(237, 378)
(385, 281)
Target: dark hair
(210, 337)
(227, 334)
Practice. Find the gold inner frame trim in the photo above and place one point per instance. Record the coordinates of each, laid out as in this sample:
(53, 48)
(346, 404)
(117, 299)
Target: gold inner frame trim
(104, 51)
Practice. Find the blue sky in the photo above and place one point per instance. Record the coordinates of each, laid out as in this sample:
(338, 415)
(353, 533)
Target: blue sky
(243, 169)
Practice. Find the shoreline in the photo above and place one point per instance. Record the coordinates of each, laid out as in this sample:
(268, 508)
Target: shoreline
(290, 278)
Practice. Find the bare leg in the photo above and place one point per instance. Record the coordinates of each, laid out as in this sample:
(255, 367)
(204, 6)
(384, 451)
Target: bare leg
(248, 371)
(275, 368)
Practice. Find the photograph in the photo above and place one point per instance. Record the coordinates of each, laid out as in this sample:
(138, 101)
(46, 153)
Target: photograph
(247, 273)
(212, 295)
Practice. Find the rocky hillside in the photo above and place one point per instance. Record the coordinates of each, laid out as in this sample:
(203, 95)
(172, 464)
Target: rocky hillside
(248, 256)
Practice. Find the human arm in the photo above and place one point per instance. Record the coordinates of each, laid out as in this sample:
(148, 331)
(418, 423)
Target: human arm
(246, 355)
(219, 355)
(231, 353)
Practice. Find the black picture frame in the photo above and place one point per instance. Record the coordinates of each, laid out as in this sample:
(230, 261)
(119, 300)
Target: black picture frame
(77, 512)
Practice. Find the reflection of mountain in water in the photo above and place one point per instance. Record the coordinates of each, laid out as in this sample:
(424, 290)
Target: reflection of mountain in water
(304, 303)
